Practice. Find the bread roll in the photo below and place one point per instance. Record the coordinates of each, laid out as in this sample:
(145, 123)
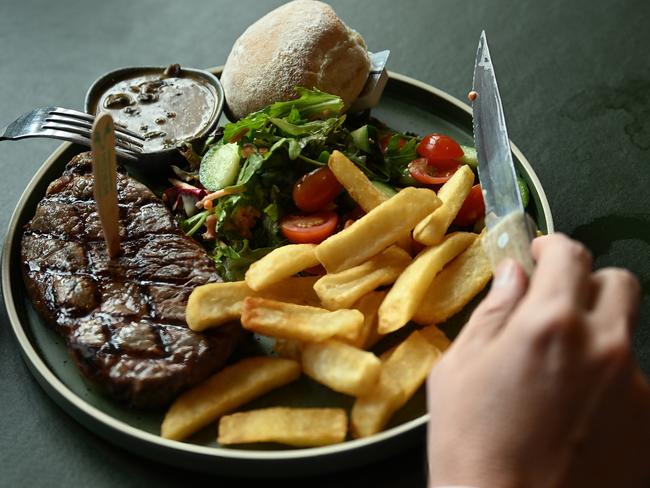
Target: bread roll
(301, 43)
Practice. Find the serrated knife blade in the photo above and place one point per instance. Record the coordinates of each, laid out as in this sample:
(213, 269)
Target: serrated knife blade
(508, 230)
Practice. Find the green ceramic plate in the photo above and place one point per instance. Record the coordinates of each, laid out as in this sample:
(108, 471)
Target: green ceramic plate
(407, 105)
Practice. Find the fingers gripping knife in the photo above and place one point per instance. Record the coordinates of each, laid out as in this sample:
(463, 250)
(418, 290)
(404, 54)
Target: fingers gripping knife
(509, 230)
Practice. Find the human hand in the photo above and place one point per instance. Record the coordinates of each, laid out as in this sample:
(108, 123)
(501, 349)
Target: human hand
(541, 388)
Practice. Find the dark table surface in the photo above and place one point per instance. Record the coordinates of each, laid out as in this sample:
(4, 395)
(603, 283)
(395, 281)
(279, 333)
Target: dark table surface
(575, 82)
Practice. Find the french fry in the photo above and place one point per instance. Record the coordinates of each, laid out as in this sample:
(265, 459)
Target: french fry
(343, 289)
(215, 304)
(366, 337)
(432, 334)
(368, 305)
(296, 289)
(376, 230)
(341, 367)
(279, 264)
(436, 337)
(407, 293)
(431, 230)
(454, 287)
(300, 427)
(300, 322)
(361, 189)
(355, 182)
(402, 373)
(228, 389)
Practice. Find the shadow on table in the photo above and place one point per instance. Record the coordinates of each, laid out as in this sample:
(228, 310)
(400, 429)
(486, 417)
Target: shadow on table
(601, 233)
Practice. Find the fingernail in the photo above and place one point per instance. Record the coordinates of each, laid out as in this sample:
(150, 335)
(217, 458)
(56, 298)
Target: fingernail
(505, 273)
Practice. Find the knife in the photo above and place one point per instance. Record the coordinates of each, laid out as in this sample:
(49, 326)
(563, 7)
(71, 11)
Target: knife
(509, 231)
(375, 84)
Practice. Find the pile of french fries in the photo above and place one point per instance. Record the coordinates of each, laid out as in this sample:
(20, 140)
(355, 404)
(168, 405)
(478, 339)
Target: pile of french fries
(325, 326)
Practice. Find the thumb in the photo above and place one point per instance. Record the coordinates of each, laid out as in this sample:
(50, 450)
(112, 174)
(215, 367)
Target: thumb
(508, 287)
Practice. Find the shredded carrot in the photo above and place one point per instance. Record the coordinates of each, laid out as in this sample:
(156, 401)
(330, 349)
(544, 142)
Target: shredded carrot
(215, 195)
(211, 226)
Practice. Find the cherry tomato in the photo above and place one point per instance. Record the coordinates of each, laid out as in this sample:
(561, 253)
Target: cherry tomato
(441, 149)
(383, 142)
(309, 229)
(428, 174)
(315, 190)
(385, 139)
(473, 208)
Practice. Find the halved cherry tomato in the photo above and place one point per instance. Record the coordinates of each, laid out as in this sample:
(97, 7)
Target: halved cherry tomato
(424, 172)
(440, 149)
(473, 208)
(309, 229)
(315, 190)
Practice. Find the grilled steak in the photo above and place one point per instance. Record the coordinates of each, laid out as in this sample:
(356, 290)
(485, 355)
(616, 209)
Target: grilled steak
(123, 319)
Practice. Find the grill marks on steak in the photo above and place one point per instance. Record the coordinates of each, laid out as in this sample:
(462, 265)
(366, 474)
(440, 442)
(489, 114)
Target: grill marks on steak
(123, 319)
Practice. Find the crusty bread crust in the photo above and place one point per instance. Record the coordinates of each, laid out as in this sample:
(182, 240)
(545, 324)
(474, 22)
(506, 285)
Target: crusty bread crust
(301, 43)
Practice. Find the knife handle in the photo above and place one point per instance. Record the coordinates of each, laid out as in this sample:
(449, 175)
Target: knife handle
(510, 238)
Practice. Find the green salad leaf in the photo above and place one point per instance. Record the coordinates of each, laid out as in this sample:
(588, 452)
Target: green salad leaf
(310, 105)
(233, 261)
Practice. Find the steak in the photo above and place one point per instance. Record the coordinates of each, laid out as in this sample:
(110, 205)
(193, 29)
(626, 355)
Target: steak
(123, 319)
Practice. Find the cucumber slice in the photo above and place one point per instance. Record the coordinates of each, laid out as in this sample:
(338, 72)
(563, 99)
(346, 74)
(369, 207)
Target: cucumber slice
(361, 138)
(469, 156)
(220, 166)
(387, 190)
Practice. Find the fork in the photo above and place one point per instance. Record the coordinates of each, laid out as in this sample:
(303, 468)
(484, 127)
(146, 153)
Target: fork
(70, 125)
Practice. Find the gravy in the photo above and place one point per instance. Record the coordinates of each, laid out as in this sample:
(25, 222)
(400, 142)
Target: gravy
(166, 108)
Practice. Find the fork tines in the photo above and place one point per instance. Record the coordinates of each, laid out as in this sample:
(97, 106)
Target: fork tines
(81, 123)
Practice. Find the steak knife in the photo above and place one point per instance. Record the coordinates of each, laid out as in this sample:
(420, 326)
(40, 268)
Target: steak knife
(509, 231)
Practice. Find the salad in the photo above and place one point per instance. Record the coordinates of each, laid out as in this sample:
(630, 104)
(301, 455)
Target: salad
(263, 181)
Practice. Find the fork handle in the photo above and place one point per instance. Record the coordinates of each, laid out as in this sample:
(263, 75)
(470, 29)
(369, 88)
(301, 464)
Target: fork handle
(75, 139)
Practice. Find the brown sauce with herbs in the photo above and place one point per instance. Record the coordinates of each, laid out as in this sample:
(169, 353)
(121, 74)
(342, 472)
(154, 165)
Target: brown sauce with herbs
(166, 109)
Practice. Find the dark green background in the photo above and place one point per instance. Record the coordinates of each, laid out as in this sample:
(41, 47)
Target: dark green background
(575, 83)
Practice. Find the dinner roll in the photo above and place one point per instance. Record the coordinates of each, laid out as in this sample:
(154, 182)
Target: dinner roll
(301, 43)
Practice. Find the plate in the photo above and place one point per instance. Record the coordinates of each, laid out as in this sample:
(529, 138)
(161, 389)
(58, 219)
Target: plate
(407, 105)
